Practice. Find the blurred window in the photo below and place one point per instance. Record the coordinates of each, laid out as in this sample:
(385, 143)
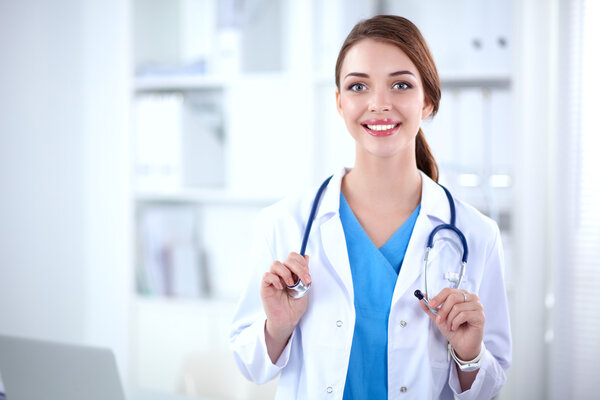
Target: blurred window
(576, 321)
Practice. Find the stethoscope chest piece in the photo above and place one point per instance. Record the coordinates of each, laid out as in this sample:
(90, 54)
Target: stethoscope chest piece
(298, 290)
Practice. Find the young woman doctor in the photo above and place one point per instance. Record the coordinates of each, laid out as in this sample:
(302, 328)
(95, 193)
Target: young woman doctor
(360, 333)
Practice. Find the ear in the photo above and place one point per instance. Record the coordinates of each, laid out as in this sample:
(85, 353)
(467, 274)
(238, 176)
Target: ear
(427, 109)
(338, 102)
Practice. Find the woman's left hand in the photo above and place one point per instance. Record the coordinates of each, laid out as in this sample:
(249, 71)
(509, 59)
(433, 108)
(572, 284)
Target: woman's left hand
(460, 319)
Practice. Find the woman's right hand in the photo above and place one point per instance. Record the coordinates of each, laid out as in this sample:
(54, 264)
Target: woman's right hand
(283, 312)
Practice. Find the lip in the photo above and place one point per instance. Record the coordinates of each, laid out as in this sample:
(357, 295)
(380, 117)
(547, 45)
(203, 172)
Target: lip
(380, 133)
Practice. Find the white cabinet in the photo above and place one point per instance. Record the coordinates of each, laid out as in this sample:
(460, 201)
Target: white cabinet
(466, 37)
(221, 129)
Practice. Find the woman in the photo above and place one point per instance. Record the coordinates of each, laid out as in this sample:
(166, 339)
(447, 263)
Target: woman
(360, 333)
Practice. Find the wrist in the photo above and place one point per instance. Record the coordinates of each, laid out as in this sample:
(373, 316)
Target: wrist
(278, 333)
(468, 364)
(470, 355)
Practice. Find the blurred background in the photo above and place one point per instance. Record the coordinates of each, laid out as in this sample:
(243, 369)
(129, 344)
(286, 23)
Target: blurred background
(139, 139)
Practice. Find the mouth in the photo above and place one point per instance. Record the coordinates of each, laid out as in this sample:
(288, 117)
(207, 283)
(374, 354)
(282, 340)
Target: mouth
(381, 127)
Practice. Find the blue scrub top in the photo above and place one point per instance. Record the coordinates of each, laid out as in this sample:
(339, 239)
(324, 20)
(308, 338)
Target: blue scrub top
(374, 275)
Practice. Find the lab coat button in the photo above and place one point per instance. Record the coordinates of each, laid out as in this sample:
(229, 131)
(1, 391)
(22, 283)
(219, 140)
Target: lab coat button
(403, 323)
(339, 323)
(329, 389)
(403, 389)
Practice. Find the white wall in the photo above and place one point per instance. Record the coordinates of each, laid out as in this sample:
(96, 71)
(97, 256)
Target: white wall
(64, 218)
(107, 195)
(536, 91)
(41, 169)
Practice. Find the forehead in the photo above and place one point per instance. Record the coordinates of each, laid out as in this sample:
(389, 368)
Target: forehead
(374, 56)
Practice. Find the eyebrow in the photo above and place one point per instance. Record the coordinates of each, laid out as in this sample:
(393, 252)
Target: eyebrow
(363, 75)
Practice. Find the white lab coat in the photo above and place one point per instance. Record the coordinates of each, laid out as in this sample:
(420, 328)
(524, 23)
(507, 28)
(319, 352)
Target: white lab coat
(314, 363)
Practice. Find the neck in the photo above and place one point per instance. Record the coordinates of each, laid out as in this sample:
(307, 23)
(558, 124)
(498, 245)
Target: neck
(384, 183)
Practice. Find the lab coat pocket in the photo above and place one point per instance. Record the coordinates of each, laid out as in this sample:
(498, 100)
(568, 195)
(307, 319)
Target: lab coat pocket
(438, 348)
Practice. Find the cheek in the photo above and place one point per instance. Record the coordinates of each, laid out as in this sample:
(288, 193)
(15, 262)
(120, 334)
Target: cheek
(411, 109)
(351, 109)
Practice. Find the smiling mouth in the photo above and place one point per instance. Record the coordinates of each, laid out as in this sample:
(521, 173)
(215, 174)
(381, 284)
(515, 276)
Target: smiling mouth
(380, 129)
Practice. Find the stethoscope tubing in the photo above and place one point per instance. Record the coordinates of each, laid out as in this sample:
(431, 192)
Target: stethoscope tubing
(300, 289)
(452, 227)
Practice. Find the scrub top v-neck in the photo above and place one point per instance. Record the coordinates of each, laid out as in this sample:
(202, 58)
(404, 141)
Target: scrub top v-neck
(374, 275)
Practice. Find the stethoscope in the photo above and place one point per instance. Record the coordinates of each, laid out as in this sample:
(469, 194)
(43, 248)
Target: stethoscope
(299, 289)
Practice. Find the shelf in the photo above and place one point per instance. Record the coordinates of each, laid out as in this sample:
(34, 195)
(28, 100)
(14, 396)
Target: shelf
(484, 80)
(183, 303)
(207, 196)
(491, 80)
(178, 82)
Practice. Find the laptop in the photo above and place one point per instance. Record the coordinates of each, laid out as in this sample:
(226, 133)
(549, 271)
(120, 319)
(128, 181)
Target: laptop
(35, 369)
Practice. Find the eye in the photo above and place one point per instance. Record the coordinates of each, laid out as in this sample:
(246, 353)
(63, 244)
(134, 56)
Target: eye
(357, 87)
(402, 85)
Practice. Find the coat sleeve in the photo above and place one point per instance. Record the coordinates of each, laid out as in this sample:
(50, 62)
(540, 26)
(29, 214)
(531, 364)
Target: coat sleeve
(497, 339)
(247, 335)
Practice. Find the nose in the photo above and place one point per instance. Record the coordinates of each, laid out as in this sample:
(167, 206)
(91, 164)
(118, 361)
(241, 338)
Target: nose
(379, 102)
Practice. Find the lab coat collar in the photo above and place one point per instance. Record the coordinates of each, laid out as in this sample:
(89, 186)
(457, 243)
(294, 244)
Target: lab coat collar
(330, 203)
(434, 202)
(433, 198)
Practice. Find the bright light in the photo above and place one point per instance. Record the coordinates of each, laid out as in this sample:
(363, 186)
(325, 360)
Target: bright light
(500, 180)
(469, 180)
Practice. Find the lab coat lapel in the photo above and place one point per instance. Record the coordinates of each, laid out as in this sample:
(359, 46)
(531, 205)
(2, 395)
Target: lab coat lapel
(434, 210)
(412, 266)
(334, 246)
(332, 233)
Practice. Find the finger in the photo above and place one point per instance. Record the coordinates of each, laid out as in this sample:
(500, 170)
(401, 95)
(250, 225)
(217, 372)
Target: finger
(270, 279)
(299, 266)
(441, 297)
(283, 272)
(427, 310)
(301, 260)
(450, 299)
(460, 308)
(474, 317)
(441, 326)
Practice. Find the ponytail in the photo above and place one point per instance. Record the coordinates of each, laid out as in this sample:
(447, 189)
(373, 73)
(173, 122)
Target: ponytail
(425, 160)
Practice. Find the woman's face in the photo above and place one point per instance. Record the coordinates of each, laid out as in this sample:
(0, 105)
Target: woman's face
(381, 98)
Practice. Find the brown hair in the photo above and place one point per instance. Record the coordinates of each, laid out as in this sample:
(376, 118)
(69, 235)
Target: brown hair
(404, 34)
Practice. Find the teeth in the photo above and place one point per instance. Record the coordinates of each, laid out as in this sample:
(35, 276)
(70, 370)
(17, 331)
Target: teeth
(380, 127)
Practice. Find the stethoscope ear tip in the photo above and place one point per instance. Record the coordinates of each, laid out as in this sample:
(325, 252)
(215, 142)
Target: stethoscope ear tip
(419, 294)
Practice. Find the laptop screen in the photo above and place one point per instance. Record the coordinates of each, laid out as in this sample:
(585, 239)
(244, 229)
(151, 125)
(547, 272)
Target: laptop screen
(36, 369)
(2, 394)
